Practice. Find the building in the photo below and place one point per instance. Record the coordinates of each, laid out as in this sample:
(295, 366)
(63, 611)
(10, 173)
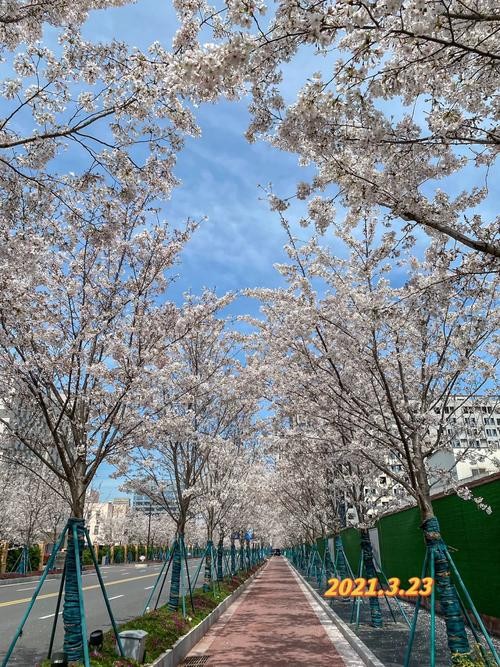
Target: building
(107, 521)
(19, 414)
(472, 436)
(473, 430)
(142, 503)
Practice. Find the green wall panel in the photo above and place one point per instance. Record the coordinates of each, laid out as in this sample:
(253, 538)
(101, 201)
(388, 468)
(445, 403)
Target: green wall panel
(352, 548)
(473, 538)
(402, 547)
(321, 544)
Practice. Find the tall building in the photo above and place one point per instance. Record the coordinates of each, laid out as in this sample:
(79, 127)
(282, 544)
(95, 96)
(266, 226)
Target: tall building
(17, 414)
(142, 503)
(473, 435)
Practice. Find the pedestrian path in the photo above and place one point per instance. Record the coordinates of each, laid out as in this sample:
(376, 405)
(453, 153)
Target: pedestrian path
(276, 622)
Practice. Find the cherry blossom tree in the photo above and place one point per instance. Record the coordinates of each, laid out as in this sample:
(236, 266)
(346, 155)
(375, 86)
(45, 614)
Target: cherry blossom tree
(97, 103)
(31, 510)
(80, 338)
(194, 409)
(380, 363)
(225, 480)
(137, 525)
(116, 113)
(115, 528)
(320, 478)
(398, 116)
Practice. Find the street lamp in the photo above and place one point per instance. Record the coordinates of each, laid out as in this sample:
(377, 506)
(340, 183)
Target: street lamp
(149, 529)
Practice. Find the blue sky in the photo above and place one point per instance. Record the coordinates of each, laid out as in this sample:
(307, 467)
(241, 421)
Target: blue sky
(237, 246)
(241, 239)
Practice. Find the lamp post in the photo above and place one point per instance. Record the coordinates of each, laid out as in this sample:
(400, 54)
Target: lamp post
(149, 530)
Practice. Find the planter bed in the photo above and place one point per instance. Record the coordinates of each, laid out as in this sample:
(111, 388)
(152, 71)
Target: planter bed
(168, 630)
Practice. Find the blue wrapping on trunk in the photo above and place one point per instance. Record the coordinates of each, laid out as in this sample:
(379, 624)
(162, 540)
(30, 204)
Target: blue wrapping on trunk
(72, 620)
(175, 581)
(233, 557)
(446, 591)
(371, 573)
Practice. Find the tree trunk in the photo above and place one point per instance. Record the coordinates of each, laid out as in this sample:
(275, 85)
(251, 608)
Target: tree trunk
(446, 591)
(233, 556)
(371, 573)
(329, 570)
(4, 552)
(175, 580)
(248, 555)
(72, 619)
(207, 582)
(220, 556)
(242, 555)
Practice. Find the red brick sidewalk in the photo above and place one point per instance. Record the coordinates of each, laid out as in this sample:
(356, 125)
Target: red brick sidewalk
(272, 624)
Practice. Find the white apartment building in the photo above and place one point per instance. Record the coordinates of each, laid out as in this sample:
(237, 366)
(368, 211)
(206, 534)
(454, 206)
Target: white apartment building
(472, 451)
(473, 435)
(473, 429)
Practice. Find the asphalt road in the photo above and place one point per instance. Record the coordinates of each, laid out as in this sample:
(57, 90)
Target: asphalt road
(127, 586)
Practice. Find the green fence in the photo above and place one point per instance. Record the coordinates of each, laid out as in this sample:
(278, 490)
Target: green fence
(472, 535)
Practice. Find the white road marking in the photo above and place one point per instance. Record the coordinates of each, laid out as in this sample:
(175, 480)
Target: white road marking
(115, 597)
(41, 618)
(31, 588)
(147, 588)
(18, 583)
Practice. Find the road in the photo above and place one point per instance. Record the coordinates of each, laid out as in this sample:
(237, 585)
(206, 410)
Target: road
(127, 586)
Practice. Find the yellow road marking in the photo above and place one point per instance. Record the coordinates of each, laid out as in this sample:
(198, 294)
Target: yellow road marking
(85, 588)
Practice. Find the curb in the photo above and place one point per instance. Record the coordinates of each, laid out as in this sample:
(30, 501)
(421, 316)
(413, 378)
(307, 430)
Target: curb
(184, 644)
(369, 658)
(19, 581)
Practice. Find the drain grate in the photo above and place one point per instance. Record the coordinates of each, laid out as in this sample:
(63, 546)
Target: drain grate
(196, 661)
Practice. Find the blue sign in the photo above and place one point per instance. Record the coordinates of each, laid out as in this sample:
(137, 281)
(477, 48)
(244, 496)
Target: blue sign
(249, 535)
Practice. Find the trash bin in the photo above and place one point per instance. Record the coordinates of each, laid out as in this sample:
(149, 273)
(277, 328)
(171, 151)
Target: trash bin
(134, 644)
